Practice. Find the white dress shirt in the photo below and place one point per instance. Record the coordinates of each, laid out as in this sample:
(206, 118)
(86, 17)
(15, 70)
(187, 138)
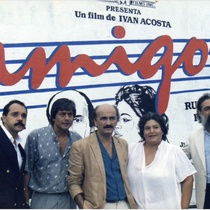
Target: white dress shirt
(17, 140)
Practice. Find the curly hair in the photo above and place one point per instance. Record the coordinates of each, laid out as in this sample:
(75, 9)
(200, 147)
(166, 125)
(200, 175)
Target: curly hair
(159, 119)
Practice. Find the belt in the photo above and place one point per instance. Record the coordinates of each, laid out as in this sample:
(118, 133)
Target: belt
(58, 193)
(116, 201)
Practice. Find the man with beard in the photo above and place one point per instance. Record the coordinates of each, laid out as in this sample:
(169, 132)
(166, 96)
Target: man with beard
(199, 151)
(12, 156)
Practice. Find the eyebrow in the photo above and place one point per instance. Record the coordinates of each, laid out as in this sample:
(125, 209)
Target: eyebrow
(79, 115)
(125, 114)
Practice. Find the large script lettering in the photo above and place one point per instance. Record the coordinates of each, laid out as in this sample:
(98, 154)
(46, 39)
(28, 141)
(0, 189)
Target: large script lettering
(38, 66)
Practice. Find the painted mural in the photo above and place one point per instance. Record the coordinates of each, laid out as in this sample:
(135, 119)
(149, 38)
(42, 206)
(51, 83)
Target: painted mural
(99, 51)
(138, 55)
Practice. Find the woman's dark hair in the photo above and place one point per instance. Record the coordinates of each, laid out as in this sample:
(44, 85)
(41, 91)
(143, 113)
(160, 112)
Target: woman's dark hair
(140, 98)
(158, 118)
(61, 105)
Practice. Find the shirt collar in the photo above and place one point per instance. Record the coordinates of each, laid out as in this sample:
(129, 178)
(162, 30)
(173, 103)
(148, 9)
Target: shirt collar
(18, 139)
(54, 135)
(206, 132)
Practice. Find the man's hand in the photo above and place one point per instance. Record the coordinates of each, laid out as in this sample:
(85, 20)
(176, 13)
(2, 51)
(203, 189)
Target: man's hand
(79, 200)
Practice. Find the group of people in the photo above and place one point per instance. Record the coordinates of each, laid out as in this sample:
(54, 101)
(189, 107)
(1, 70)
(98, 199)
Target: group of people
(60, 169)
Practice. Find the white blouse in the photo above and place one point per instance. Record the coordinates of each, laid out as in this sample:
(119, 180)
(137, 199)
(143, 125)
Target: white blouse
(157, 186)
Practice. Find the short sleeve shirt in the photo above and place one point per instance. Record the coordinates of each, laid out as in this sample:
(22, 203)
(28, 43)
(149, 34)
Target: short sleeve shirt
(158, 185)
(47, 168)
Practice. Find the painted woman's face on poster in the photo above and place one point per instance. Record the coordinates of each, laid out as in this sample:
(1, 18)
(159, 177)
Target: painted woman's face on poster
(127, 127)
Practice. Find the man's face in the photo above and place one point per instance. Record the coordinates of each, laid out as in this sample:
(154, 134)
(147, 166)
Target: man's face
(205, 113)
(81, 120)
(63, 120)
(127, 126)
(106, 119)
(15, 120)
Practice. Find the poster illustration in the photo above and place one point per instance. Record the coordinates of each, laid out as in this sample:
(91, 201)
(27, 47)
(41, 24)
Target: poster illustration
(138, 55)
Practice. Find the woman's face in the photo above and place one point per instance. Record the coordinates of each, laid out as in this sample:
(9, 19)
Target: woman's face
(152, 132)
(127, 126)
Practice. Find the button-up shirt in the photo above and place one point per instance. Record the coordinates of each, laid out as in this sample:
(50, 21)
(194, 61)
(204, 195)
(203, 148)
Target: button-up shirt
(47, 168)
(207, 155)
(114, 183)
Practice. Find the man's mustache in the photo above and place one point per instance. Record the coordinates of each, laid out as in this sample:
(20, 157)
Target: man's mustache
(108, 126)
(20, 123)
